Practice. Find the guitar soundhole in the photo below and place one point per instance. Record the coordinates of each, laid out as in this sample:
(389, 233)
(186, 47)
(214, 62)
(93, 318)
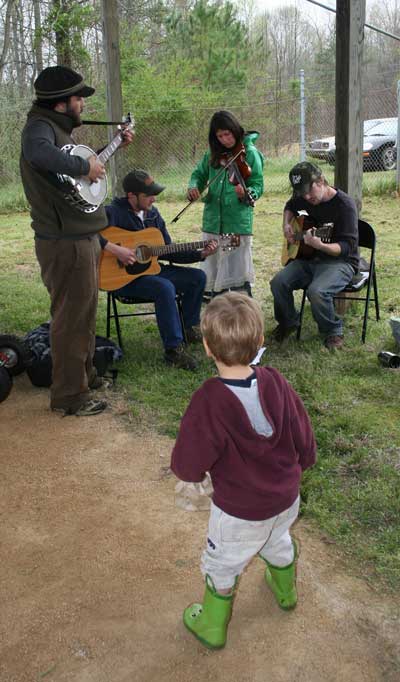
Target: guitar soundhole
(137, 268)
(143, 253)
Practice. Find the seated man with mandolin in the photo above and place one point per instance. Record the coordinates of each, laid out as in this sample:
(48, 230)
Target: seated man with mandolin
(322, 258)
(147, 240)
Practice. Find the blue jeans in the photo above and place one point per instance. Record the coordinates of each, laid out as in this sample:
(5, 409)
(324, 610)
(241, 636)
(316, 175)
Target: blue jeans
(162, 289)
(323, 280)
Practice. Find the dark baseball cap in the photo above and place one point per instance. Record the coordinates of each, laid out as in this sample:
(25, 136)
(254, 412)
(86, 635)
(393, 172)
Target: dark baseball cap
(139, 180)
(59, 83)
(302, 177)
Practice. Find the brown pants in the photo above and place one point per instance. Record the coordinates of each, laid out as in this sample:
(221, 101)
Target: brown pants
(69, 269)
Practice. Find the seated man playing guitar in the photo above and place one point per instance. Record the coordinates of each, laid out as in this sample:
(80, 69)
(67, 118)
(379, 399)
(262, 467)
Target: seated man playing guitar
(329, 267)
(135, 212)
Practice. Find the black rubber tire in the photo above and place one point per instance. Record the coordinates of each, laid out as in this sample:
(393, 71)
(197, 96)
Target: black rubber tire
(6, 382)
(15, 354)
(388, 158)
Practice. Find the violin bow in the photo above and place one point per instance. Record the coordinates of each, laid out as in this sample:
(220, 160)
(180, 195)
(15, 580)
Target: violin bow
(232, 160)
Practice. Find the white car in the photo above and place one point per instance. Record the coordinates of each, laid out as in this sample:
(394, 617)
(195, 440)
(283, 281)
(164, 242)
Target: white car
(379, 146)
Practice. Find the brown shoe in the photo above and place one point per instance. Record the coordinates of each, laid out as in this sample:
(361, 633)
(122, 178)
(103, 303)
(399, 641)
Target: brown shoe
(87, 409)
(280, 333)
(334, 342)
(193, 334)
(178, 357)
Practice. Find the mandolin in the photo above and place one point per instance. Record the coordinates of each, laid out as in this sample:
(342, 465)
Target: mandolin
(149, 246)
(299, 249)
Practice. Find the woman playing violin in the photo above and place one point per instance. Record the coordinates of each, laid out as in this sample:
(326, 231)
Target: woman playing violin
(230, 199)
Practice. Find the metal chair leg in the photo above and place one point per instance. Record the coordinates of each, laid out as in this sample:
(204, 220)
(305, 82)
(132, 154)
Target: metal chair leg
(116, 318)
(180, 312)
(303, 300)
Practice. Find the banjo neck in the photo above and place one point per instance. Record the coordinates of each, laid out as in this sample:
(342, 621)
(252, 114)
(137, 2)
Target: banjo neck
(111, 148)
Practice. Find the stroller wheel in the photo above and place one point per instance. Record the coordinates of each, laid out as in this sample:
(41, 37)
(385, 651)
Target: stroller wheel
(15, 355)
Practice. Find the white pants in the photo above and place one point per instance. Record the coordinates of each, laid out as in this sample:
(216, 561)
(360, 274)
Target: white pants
(233, 542)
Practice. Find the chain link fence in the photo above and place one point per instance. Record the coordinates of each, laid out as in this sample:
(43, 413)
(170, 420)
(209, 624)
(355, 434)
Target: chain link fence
(169, 142)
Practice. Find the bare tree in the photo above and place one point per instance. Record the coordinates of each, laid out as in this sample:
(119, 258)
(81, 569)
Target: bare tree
(6, 36)
(37, 41)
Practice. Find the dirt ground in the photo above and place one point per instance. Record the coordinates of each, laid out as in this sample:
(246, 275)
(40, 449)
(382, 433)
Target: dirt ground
(97, 564)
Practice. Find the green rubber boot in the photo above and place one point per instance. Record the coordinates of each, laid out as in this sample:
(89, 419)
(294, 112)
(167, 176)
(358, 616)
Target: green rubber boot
(282, 581)
(209, 621)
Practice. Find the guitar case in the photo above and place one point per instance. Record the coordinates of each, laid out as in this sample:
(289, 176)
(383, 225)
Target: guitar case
(40, 370)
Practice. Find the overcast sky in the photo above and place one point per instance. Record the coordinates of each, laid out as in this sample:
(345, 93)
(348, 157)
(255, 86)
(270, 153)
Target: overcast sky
(317, 13)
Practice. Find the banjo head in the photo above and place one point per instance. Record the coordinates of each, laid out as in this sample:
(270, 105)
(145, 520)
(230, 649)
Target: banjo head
(92, 192)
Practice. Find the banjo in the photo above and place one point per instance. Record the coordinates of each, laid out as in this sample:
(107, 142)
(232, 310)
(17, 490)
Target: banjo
(81, 192)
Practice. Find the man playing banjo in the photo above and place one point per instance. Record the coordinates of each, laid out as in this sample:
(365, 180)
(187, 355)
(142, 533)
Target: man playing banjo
(66, 237)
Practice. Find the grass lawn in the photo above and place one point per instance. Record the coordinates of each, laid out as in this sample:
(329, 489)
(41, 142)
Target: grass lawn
(353, 493)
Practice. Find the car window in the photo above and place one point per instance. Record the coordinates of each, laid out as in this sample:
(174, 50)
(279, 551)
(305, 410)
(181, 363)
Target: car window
(383, 128)
(370, 124)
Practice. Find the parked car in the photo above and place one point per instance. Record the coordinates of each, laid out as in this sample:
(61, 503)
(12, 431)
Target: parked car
(379, 145)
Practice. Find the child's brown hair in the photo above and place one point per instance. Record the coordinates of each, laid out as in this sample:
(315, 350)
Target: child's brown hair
(232, 325)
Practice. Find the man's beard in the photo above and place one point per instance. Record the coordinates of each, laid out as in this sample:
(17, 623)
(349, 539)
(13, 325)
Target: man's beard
(75, 117)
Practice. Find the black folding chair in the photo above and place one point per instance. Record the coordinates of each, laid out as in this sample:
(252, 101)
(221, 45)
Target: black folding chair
(360, 282)
(114, 314)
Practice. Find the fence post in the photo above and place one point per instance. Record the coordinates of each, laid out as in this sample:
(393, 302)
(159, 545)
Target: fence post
(398, 139)
(302, 118)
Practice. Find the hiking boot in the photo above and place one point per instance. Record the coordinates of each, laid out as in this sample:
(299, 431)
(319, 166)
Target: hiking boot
(90, 407)
(207, 296)
(334, 342)
(193, 334)
(87, 409)
(280, 333)
(97, 382)
(100, 382)
(177, 357)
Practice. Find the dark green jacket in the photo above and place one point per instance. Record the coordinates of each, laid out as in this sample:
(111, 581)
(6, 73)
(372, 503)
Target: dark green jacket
(223, 212)
(52, 216)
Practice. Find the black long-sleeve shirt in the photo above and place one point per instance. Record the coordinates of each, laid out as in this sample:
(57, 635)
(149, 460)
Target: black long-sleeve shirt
(342, 212)
(39, 149)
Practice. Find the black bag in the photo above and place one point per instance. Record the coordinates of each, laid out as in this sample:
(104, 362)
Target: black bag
(40, 368)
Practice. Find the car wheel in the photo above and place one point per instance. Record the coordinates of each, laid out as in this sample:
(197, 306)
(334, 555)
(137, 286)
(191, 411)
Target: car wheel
(388, 158)
(15, 355)
(6, 383)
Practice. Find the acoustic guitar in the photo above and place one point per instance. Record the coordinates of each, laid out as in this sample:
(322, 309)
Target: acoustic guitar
(299, 249)
(148, 245)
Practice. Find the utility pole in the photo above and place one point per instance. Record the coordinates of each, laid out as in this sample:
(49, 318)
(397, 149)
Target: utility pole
(302, 118)
(398, 140)
(113, 78)
(350, 18)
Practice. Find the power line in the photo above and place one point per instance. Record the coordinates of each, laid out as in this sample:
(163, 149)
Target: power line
(373, 28)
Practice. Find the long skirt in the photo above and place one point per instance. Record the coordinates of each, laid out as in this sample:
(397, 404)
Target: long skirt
(229, 269)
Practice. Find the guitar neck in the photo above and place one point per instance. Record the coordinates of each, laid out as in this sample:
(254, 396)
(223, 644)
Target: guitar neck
(165, 249)
(299, 236)
(111, 148)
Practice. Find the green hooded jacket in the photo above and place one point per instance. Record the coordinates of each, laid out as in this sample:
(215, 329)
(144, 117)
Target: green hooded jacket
(223, 212)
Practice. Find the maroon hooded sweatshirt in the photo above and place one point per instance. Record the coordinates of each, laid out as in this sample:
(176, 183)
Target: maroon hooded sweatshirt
(254, 477)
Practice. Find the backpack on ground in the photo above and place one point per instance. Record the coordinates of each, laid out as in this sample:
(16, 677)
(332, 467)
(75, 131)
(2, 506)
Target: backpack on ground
(107, 352)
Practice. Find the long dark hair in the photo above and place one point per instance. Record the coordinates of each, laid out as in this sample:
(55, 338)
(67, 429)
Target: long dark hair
(222, 120)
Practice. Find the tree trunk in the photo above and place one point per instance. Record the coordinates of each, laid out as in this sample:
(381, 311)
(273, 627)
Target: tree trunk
(62, 33)
(7, 36)
(38, 47)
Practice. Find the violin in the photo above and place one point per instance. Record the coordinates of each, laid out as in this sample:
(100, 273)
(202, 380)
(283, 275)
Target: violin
(228, 163)
(239, 170)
